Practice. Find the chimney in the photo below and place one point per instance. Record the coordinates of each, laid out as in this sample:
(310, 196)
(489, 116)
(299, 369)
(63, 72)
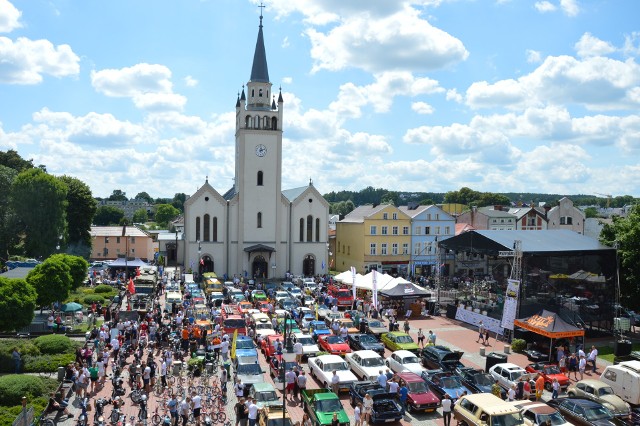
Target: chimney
(497, 207)
(546, 210)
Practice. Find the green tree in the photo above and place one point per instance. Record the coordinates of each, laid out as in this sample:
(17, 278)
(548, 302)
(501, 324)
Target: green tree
(39, 201)
(178, 201)
(390, 197)
(144, 196)
(166, 212)
(81, 208)
(17, 303)
(52, 281)
(78, 268)
(118, 195)
(626, 233)
(426, 202)
(590, 212)
(140, 216)
(14, 161)
(463, 196)
(107, 215)
(8, 234)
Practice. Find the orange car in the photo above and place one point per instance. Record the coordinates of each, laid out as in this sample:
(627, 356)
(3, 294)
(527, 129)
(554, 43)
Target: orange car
(244, 306)
(263, 307)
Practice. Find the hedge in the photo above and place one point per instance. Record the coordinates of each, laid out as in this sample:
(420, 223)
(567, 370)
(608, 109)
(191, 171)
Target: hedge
(14, 386)
(89, 299)
(54, 344)
(9, 414)
(47, 363)
(25, 347)
(103, 288)
(518, 345)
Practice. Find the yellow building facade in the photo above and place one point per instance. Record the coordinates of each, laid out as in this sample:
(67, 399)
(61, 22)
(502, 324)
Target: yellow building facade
(374, 237)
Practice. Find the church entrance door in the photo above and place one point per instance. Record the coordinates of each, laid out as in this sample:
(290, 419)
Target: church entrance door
(309, 266)
(206, 265)
(259, 267)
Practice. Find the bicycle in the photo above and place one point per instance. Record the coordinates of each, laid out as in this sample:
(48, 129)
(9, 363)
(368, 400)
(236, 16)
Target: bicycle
(44, 421)
(158, 419)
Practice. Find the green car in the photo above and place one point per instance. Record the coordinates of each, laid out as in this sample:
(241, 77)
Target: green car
(397, 340)
(295, 328)
(265, 395)
(320, 404)
(258, 296)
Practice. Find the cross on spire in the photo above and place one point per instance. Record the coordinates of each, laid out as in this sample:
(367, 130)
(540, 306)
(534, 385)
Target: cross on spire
(261, 6)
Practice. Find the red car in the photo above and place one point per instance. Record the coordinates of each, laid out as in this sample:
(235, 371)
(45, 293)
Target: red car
(335, 345)
(549, 372)
(420, 398)
(268, 348)
(263, 307)
(244, 307)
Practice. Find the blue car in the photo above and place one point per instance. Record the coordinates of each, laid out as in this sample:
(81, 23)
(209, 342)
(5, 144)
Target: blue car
(318, 328)
(245, 347)
(446, 383)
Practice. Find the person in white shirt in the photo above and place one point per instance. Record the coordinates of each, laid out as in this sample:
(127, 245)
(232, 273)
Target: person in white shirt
(224, 349)
(163, 373)
(582, 364)
(185, 410)
(334, 308)
(446, 409)
(393, 387)
(252, 411)
(593, 354)
(382, 379)
(511, 393)
(356, 414)
(239, 389)
(196, 404)
(335, 383)
(367, 407)
(290, 379)
(344, 332)
(298, 349)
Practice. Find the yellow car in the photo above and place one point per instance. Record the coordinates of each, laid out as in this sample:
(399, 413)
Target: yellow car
(397, 340)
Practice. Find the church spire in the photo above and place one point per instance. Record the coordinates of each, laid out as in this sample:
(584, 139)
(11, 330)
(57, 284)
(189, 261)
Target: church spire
(259, 70)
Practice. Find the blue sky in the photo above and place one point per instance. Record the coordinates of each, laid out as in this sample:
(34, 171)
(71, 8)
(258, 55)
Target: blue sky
(423, 95)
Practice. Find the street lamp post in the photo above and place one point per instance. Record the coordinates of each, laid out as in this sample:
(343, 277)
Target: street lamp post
(199, 259)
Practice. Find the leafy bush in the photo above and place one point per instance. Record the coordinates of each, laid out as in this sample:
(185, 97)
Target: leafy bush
(97, 298)
(54, 344)
(193, 362)
(518, 345)
(25, 347)
(47, 363)
(14, 386)
(103, 288)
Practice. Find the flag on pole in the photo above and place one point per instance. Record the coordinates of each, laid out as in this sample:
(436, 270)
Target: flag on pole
(131, 287)
(353, 276)
(316, 312)
(375, 289)
(233, 344)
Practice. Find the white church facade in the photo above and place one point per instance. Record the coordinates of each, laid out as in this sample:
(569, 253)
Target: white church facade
(256, 228)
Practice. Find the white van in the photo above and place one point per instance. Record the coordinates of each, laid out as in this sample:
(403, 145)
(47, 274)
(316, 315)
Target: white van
(174, 297)
(624, 379)
(262, 324)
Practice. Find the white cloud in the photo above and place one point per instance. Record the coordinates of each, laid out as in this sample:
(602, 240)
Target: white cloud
(189, 81)
(453, 95)
(589, 45)
(287, 80)
(422, 108)
(285, 42)
(544, 6)
(402, 41)
(149, 86)
(9, 17)
(25, 61)
(533, 56)
(570, 7)
(632, 44)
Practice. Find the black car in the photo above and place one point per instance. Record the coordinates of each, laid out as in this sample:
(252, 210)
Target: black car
(584, 412)
(445, 383)
(477, 380)
(359, 342)
(385, 408)
(441, 357)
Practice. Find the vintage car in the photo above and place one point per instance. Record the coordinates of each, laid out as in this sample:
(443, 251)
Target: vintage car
(402, 360)
(445, 382)
(346, 322)
(245, 347)
(485, 409)
(508, 374)
(548, 372)
(584, 412)
(477, 380)
(309, 347)
(397, 340)
(365, 364)
(276, 366)
(420, 398)
(258, 296)
(335, 345)
(274, 416)
(265, 395)
(322, 369)
(441, 357)
(359, 342)
(602, 393)
(268, 345)
(385, 408)
(318, 328)
(376, 327)
(537, 413)
(321, 404)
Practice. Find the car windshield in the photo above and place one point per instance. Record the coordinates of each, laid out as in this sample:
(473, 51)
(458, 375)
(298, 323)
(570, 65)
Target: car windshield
(264, 326)
(245, 344)
(375, 324)
(555, 418)
(418, 387)
(280, 422)
(404, 339)
(329, 405)
(338, 366)
(347, 324)
(267, 396)
(507, 420)
(484, 379)
(552, 369)
(249, 369)
(605, 391)
(234, 323)
(367, 338)
(597, 413)
(305, 341)
(320, 326)
(449, 382)
(322, 307)
(344, 293)
(334, 340)
(259, 293)
(373, 362)
(410, 360)
(515, 374)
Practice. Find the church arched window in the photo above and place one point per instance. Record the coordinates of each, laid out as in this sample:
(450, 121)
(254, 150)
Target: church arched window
(267, 123)
(260, 92)
(274, 123)
(198, 228)
(260, 177)
(309, 228)
(207, 226)
(256, 122)
(253, 93)
(301, 230)
(317, 230)
(259, 219)
(247, 122)
(215, 229)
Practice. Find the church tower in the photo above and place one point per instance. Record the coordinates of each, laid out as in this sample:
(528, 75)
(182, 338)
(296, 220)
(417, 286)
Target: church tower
(258, 168)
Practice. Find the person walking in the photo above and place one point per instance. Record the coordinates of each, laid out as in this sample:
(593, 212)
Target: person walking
(539, 387)
(431, 338)
(223, 380)
(185, 410)
(403, 394)
(593, 355)
(298, 349)
(172, 405)
(241, 414)
(335, 383)
(446, 409)
(17, 360)
(573, 366)
(196, 405)
(555, 388)
(480, 332)
(302, 384)
(252, 412)
(582, 364)
(421, 338)
(367, 405)
(357, 414)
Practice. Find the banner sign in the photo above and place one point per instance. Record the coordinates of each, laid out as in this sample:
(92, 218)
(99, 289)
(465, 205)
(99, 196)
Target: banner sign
(470, 317)
(510, 304)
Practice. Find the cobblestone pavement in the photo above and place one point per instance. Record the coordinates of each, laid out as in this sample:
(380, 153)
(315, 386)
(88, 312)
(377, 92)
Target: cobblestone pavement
(451, 333)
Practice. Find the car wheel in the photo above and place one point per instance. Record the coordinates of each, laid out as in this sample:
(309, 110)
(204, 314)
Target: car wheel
(547, 386)
(571, 394)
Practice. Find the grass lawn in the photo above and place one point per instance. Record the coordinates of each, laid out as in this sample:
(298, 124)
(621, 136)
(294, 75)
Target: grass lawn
(606, 352)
